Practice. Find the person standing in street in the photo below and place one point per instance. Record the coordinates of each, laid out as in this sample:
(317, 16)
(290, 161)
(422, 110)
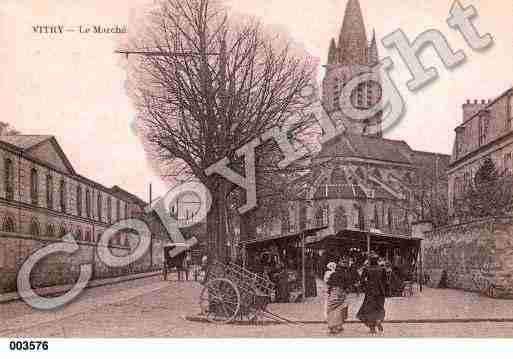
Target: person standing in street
(372, 311)
(339, 283)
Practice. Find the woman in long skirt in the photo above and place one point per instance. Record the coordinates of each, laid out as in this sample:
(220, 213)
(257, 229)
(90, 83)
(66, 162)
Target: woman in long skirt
(372, 311)
(336, 307)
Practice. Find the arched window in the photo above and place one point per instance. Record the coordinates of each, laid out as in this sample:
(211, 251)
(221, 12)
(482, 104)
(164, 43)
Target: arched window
(63, 197)
(49, 191)
(322, 216)
(79, 235)
(376, 217)
(99, 206)
(126, 210)
(390, 218)
(109, 210)
(285, 220)
(79, 201)
(118, 210)
(9, 180)
(340, 219)
(318, 217)
(34, 184)
(88, 203)
(361, 218)
(8, 225)
(34, 227)
(87, 236)
(302, 216)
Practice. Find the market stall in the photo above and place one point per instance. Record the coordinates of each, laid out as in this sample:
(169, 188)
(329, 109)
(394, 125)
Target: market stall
(401, 253)
(285, 260)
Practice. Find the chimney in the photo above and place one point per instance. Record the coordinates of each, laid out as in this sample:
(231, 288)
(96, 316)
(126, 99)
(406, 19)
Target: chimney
(470, 108)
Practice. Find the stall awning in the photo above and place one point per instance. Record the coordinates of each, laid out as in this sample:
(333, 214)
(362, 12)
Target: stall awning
(290, 237)
(348, 237)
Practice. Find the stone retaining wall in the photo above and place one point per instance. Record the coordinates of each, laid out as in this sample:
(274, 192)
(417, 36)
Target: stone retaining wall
(60, 268)
(476, 256)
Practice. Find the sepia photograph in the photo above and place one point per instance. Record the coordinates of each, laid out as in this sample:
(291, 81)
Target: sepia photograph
(259, 169)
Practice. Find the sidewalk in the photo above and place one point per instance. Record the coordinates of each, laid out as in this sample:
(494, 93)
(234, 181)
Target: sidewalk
(430, 305)
(8, 297)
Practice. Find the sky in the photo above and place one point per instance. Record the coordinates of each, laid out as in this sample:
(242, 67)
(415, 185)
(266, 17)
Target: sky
(72, 85)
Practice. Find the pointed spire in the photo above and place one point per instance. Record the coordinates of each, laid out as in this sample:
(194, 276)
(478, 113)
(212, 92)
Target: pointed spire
(373, 50)
(353, 38)
(332, 53)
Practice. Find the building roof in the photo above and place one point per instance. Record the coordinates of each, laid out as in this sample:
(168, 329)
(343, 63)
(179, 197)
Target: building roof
(351, 145)
(25, 142)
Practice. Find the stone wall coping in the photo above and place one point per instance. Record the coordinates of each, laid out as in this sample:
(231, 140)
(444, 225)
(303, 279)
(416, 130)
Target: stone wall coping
(52, 239)
(478, 221)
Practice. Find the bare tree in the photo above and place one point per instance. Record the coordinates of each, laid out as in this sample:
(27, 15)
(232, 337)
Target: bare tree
(230, 81)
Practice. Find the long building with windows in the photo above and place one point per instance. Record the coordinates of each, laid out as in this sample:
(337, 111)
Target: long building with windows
(43, 198)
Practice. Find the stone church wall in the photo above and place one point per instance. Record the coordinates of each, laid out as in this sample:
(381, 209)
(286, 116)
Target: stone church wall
(477, 256)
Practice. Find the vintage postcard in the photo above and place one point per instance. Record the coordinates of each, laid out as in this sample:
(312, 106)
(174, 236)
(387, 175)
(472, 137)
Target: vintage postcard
(255, 169)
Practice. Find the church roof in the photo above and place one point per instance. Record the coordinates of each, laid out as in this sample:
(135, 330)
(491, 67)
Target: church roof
(367, 147)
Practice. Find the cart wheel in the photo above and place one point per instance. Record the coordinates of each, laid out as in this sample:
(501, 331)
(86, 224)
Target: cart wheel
(220, 301)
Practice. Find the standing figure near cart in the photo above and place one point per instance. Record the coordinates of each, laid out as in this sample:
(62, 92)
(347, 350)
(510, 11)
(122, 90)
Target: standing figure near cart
(372, 311)
(339, 283)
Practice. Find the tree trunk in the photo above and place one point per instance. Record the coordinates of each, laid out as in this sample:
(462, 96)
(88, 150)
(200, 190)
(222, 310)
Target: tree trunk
(248, 226)
(216, 225)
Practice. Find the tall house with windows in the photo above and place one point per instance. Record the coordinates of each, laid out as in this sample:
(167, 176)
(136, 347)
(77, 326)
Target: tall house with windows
(349, 56)
(42, 196)
(485, 132)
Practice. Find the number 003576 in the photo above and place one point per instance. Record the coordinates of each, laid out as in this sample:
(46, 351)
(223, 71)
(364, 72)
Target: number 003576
(28, 345)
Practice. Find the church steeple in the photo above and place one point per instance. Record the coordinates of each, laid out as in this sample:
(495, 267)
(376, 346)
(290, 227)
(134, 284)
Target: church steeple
(332, 53)
(353, 38)
(373, 51)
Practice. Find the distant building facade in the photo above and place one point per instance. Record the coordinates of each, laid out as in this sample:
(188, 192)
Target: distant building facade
(43, 198)
(485, 132)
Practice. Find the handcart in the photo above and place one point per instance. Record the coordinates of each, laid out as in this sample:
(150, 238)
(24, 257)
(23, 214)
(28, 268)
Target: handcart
(232, 293)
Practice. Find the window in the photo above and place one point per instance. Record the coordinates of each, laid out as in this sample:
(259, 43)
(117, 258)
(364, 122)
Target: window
(50, 230)
(79, 201)
(126, 210)
(340, 219)
(118, 210)
(8, 225)
(99, 206)
(376, 217)
(88, 236)
(88, 203)
(390, 218)
(34, 227)
(9, 180)
(49, 191)
(63, 197)
(360, 219)
(509, 116)
(483, 128)
(109, 210)
(34, 193)
(507, 164)
(98, 237)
